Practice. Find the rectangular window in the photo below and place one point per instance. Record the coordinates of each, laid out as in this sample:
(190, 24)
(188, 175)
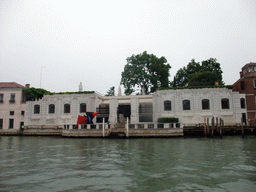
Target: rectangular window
(225, 103)
(242, 85)
(22, 113)
(167, 105)
(186, 104)
(1, 98)
(205, 104)
(21, 124)
(52, 108)
(12, 99)
(1, 123)
(11, 122)
(11, 112)
(36, 109)
(242, 103)
(254, 83)
(23, 99)
(67, 108)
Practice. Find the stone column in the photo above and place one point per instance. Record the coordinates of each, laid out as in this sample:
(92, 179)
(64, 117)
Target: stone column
(134, 110)
(113, 104)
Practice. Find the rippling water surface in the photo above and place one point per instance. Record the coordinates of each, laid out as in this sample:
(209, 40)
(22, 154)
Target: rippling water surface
(174, 164)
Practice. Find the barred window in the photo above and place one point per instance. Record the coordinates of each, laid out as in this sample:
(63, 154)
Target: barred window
(51, 108)
(242, 102)
(205, 104)
(225, 103)
(67, 108)
(36, 109)
(167, 105)
(82, 108)
(186, 104)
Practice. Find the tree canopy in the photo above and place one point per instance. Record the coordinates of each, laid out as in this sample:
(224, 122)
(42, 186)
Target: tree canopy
(146, 71)
(111, 91)
(33, 94)
(195, 74)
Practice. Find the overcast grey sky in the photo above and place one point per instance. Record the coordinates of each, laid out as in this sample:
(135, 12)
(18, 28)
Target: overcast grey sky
(89, 41)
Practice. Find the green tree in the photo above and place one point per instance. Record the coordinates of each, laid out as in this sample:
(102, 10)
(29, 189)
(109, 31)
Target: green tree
(182, 74)
(145, 71)
(195, 74)
(181, 79)
(111, 91)
(211, 65)
(33, 94)
(205, 78)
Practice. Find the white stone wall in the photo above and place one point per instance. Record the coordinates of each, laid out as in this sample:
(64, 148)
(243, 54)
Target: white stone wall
(196, 114)
(193, 116)
(59, 117)
(17, 107)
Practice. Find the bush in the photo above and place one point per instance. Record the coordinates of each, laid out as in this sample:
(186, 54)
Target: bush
(167, 120)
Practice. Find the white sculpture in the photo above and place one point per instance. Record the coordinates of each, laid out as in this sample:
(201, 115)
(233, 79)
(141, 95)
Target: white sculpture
(80, 87)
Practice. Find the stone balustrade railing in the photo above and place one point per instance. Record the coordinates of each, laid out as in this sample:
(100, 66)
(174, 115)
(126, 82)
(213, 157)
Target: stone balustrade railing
(131, 126)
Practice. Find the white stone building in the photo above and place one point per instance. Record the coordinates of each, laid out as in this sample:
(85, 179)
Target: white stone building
(192, 105)
(189, 105)
(12, 105)
(57, 110)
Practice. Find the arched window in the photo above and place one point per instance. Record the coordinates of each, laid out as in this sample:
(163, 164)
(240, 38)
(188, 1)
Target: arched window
(205, 104)
(51, 108)
(67, 108)
(242, 102)
(186, 104)
(167, 105)
(36, 109)
(225, 103)
(82, 108)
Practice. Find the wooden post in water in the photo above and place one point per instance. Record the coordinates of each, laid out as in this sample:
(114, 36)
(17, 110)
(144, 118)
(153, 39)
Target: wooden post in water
(217, 125)
(221, 124)
(207, 127)
(212, 127)
(204, 127)
(242, 127)
(127, 128)
(103, 128)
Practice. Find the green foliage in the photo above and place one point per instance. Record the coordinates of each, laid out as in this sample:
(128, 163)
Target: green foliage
(202, 79)
(199, 75)
(33, 94)
(168, 120)
(111, 91)
(145, 71)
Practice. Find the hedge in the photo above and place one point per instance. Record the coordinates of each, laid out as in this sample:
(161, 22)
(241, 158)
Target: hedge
(167, 120)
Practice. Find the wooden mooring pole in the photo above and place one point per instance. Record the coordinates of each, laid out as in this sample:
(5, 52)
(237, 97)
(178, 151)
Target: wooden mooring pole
(242, 127)
(212, 127)
(221, 127)
(207, 128)
(217, 126)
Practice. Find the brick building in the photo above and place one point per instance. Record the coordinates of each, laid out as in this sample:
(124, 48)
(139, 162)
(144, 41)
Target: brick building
(247, 84)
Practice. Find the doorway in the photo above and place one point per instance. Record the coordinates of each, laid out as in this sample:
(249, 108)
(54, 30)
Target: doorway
(123, 111)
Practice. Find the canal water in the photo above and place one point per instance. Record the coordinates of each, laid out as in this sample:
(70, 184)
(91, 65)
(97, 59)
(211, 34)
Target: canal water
(173, 164)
